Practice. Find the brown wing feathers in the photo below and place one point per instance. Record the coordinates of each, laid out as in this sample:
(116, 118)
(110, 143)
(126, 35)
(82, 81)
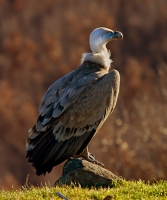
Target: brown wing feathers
(70, 114)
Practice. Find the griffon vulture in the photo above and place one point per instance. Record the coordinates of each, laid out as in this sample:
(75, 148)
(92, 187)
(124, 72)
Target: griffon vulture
(75, 107)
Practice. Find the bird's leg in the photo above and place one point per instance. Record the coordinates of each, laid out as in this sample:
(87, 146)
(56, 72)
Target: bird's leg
(91, 158)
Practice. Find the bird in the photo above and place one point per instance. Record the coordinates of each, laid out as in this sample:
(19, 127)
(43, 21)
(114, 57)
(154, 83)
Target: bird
(75, 107)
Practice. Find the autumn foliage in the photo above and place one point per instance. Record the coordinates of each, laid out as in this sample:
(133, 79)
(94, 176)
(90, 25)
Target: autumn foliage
(40, 41)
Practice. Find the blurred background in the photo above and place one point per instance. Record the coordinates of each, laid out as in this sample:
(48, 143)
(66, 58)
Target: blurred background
(40, 41)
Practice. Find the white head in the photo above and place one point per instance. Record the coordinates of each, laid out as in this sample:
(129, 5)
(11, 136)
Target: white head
(101, 36)
(98, 40)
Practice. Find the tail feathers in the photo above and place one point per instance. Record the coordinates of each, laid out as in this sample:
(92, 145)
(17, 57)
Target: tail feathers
(43, 169)
(47, 152)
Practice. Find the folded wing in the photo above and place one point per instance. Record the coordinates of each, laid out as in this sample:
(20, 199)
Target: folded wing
(71, 112)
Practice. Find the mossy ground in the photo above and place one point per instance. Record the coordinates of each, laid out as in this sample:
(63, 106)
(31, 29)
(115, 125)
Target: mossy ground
(121, 190)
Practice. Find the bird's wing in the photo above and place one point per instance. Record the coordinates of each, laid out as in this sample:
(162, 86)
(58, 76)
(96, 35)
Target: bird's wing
(72, 124)
(92, 107)
(62, 94)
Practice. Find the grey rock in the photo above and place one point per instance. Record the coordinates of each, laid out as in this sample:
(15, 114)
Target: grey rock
(80, 172)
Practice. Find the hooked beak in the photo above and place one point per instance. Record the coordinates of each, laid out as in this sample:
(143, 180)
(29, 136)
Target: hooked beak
(115, 35)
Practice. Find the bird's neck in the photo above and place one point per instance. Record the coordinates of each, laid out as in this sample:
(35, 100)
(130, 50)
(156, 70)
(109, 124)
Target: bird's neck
(102, 57)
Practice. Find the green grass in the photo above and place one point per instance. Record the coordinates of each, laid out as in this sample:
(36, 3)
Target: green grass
(121, 190)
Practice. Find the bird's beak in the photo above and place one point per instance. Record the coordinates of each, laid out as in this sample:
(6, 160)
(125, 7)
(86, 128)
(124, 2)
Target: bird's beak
(116, 35)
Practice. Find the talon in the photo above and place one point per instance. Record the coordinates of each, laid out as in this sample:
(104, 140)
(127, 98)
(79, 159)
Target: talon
(100, 164)
(91, 158)
(92, 155)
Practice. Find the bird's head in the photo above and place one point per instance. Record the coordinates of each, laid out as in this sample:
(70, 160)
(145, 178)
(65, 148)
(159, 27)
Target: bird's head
(101, 36)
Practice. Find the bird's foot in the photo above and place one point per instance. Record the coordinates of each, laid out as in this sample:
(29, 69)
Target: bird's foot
(91, 158)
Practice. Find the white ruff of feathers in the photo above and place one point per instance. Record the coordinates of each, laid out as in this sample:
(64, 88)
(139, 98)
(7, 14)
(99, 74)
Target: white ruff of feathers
(102, 58)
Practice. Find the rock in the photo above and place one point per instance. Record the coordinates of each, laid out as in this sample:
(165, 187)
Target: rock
(108, 197)
(80, 172)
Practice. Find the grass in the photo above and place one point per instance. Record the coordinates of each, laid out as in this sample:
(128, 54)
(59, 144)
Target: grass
(121, 190)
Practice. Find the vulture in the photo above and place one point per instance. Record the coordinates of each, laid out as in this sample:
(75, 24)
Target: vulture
(75, 107)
